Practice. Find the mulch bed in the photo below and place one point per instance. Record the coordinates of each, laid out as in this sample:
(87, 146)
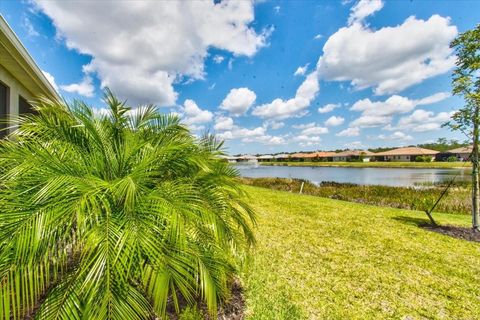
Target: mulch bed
(455, 232)
(232, 309)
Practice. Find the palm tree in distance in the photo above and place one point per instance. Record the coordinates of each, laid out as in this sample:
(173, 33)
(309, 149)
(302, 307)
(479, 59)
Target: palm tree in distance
(114, 215)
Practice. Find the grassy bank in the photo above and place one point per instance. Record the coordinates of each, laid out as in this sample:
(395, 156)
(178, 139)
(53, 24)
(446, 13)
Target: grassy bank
(318, 258)
(376, 164)
(457, 199)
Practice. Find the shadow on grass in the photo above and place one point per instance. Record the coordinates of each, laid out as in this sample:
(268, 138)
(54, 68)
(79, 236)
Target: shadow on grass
(462, 233)
(419, 222)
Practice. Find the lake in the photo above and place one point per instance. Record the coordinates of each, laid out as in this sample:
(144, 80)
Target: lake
(404, 177)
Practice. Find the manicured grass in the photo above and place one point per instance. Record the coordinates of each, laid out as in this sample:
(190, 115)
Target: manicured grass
(319, 258)
(376, 164)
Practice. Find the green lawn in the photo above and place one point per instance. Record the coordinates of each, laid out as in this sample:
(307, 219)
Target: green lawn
(377, 164)
(318, 258)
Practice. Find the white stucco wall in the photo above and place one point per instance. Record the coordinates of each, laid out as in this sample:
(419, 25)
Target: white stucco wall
(15, 89)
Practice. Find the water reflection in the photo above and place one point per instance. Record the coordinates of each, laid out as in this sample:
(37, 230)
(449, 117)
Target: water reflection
(372, 176)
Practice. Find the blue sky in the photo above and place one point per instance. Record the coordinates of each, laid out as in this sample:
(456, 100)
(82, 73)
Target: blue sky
(266, 76)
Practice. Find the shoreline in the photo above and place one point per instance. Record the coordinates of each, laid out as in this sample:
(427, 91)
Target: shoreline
(406, 165)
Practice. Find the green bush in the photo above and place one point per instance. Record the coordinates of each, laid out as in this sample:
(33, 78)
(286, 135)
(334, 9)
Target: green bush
(112, 216)
(423, 159)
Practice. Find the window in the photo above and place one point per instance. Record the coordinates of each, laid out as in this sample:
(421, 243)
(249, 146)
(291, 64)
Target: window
(3, 108)
(24, 106)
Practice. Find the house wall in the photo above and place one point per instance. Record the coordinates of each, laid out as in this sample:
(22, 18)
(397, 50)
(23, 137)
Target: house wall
(15, 90)
(403, 158)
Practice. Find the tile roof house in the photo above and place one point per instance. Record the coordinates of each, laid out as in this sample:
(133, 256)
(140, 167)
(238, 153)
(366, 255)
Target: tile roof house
(405, 154)
(349, 155)
(462, 153)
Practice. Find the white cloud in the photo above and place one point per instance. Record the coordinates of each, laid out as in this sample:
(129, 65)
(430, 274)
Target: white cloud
(421, 120)
(315, 130)
(367, 121)
(389, 59)
(238, 101)
(83, 88)
(266, 140)
(304, 126)
(318, 37)
(141, 48)
(305, 140)
(328, 107)
(395, 104)
(31, 31)
(349, 132)
(273, 124)
(397, 135)
(277, 9)
(50, 79)
(223, 123)
(354, 145)
(282, 109)
(301, 70)
(334, 121)
(193, 115)
(363, 9)
(239, 133)
(379, 113)
(218, 59)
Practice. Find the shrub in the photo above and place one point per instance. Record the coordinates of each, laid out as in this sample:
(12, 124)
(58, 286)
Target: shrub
(111, 216)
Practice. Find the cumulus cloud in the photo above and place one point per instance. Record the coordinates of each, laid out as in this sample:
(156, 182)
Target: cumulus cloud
(266, 140)
(421, 120)
(50, 79)
(389, 59)
(328, 107)
(314, 131)
(301, 70)
(349, 132)
(193, 115)
(378, 113)
(310, 129)
(318, 37)
(141, 48)
(334, 121)
(397, 135)
(238, 101)
(363, 9)
(305, 140)
(223, 123)
(293, 107)
(83, 88)
(238, 133)
(273, 124)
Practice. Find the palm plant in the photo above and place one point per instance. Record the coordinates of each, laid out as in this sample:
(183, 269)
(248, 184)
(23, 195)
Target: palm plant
(114, 215)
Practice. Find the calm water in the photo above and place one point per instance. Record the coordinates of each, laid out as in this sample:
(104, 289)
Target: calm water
(380, 176)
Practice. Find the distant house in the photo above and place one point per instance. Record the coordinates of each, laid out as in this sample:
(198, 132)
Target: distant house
(247, 158)
(405, 154)
(21, 80)
(281, 157)
(313, 156)
(265, 158)
(462, 153)
(353, 155)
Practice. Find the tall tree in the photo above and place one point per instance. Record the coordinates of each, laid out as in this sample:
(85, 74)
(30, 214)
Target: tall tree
(111, 215)
(466, 84)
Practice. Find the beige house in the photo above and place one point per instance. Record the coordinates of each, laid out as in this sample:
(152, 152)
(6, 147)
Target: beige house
(405, 154)
(353, 155)
(462, 153)
(21, 80)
